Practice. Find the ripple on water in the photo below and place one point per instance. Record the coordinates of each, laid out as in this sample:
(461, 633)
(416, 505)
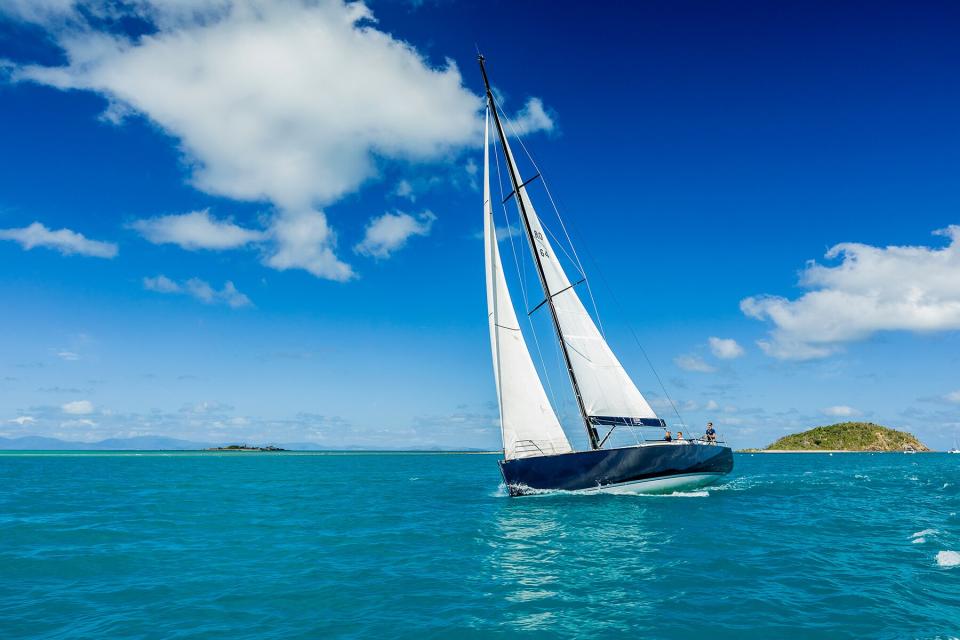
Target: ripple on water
(416, 546)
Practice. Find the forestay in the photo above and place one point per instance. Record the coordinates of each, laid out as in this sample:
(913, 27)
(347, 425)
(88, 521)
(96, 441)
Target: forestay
(609, 395)
(528, 422)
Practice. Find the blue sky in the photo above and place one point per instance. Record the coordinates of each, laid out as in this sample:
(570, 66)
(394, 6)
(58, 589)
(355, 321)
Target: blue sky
(272, 212)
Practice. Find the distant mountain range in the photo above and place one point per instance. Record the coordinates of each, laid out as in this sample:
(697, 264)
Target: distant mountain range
(157, 443)
(139, 443)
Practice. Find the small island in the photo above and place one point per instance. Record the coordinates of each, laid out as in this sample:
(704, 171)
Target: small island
(244, 447)
(846, 437)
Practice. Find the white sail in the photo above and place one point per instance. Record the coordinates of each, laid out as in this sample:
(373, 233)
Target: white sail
(527, 421)
(609, 395)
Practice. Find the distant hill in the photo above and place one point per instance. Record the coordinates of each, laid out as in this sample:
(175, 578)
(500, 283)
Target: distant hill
(849, 436)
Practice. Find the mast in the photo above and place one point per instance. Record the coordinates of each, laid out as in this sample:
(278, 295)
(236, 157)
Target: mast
(517, 184)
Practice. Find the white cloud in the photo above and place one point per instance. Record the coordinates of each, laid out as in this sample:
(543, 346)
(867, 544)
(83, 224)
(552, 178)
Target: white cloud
(292, 102)
(23, 420)
(405, 190)
(81, 422)
(65, 241)
(711, 405)
(507, 232)
(199, 289)
(305, 241)
(503, 233)
(473, 174)
(161, 284)
(78, 407)
(533, 117)
(840, 411)
(725, 348)
(693, 363)
(390, 232)
(195, 230)
(873, 289)
(953, 396)
(68, 355)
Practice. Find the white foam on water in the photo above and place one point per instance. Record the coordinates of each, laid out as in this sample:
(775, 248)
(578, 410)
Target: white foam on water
(925, 532)
(919, 541)
(914, 478)
(948, 559)
(682, 494)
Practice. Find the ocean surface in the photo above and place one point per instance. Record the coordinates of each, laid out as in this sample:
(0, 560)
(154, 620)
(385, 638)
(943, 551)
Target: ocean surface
(314, 545)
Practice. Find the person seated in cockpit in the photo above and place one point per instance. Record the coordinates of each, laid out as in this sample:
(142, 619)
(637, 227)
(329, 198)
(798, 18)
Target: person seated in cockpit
(710, 433)
(667, 437)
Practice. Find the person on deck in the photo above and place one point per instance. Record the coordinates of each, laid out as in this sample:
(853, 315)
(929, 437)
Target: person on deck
(667, 437)
(710, 433)
(679, 436)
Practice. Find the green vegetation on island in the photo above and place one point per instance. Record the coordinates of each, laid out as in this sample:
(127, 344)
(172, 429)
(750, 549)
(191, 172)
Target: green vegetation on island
(849, 436)
(244, 447)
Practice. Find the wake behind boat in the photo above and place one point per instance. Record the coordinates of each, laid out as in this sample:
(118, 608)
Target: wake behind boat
(537, 454)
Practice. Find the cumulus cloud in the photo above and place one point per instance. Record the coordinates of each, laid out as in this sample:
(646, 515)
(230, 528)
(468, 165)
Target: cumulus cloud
(78, 407)
(23, 420)
(200, 290)
(389, 232)
(195, 230)
(725, 348)
(840, 411)
(872, 289)
(304, 240)
(68, 355)
(693, 363)
(65, 241)
(291, 102)
(953, 396)
(532, 117)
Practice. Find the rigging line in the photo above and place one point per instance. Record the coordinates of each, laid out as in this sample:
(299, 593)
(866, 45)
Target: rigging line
(633, 332)
(545, 300)
(516, 260)
(596, 266)
(556, 211)
(513, 246)
(560, 244)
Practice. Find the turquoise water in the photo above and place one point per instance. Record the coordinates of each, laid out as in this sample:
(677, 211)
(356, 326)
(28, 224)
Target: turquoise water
(352, 545)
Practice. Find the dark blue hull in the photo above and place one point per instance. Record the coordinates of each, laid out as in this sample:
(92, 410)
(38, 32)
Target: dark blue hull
(606, 468)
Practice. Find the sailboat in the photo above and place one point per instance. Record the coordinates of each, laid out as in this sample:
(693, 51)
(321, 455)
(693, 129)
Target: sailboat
(537, 455)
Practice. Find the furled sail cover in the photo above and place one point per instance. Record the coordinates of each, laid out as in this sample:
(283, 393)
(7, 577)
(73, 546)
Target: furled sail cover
(609, 395)
(528, 422)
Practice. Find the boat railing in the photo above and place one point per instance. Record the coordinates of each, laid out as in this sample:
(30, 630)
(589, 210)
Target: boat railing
(655, 435)
(629, 435)
(532, 447)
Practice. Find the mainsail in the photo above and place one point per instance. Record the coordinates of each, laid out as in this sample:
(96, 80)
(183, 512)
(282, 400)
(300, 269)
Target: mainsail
(528, 422)
(607, 394)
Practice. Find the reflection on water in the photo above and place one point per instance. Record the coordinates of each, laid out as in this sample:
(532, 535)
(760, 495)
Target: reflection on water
(530, 557)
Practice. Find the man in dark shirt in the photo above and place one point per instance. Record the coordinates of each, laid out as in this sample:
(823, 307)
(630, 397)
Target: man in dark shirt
(710, 433)
(667, 436)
